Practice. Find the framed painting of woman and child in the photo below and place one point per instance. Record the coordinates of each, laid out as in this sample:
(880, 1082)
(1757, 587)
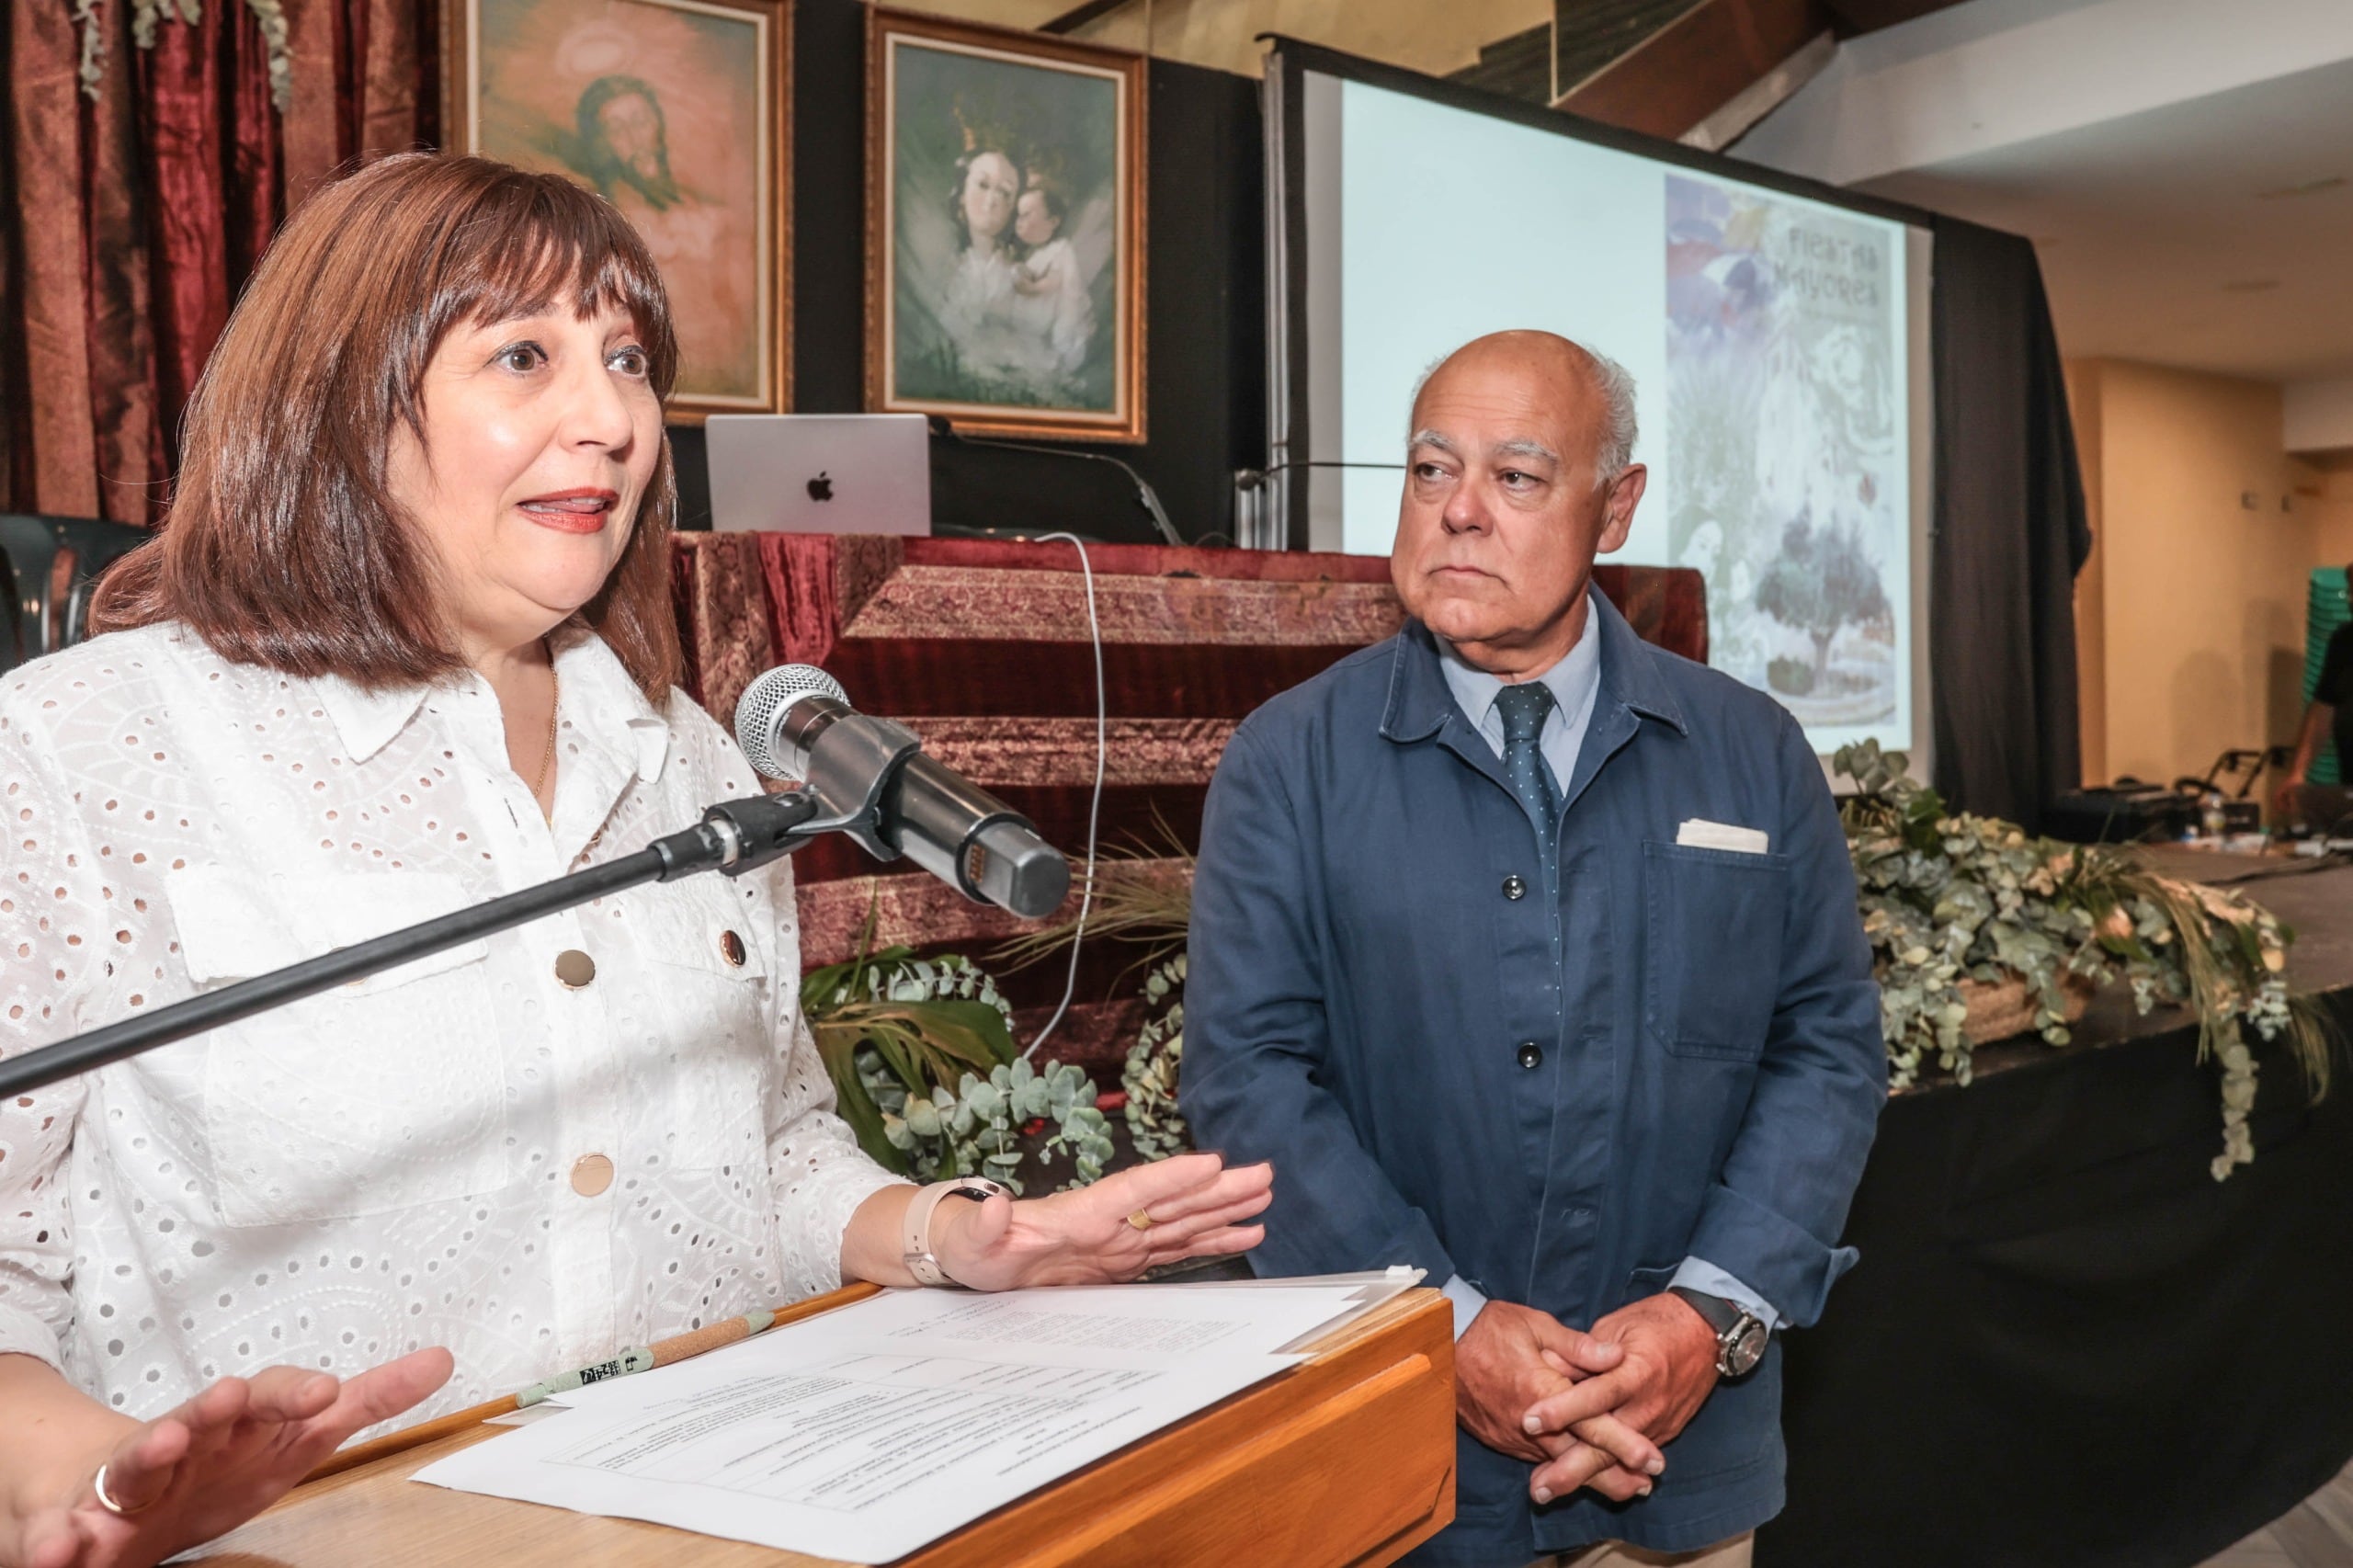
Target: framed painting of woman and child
(1005, 230)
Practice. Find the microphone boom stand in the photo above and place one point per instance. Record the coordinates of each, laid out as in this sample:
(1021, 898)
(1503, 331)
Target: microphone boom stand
(733, 837)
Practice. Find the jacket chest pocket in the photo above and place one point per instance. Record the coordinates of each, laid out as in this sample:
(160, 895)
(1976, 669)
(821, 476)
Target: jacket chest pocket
(1712, 945)
(699, 1034)
(384, 1093)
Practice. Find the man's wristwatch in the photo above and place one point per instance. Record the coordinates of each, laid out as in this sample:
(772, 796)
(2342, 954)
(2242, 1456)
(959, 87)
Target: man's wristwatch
(915, 1243)
(1740, 1335)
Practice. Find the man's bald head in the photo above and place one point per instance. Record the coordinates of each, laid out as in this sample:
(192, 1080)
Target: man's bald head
(1517, 475)
(1566, 371)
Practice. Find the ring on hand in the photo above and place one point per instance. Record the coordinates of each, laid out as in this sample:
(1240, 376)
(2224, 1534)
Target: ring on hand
(1141, 1220)
(106, 1499)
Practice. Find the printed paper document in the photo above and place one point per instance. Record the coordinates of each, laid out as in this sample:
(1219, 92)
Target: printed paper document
(868, 1432)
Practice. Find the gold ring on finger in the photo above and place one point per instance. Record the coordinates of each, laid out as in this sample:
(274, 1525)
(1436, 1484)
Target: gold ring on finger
(1141, 1220)
(105, 1498)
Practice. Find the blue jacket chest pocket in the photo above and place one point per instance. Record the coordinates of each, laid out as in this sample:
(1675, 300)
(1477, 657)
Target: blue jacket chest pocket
(1712, 947)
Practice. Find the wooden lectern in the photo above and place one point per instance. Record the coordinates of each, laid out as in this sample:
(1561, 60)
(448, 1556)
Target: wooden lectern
(1345, 1459)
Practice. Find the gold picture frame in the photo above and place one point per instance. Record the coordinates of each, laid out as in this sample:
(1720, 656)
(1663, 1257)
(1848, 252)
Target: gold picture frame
(679, 111)
(1005, 230)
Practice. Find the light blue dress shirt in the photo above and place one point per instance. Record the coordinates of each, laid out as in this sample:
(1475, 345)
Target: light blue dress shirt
(1575, 681)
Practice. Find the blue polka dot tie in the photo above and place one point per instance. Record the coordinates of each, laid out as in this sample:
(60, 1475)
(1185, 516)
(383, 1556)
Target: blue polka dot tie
(1523, 707)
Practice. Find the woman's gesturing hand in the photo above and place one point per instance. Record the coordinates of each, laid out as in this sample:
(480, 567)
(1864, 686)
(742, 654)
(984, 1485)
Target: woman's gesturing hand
(211, 1464)
(1194, 1204)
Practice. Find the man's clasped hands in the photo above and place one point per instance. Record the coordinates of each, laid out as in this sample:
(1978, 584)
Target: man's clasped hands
(1586, 1409)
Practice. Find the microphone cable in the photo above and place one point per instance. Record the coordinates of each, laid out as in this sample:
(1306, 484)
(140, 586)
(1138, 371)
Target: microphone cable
(1094, 807)
(945, 430)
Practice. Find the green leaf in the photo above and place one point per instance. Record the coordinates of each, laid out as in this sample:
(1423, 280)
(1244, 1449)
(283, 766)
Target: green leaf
(856, 1106)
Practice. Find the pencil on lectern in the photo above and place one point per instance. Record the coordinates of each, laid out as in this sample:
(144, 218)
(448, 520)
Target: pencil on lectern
(677, 1348)
(645, 1357)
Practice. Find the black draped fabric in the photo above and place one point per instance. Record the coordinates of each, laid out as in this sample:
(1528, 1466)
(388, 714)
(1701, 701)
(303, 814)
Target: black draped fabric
(2066, 1345)
(2011, 533)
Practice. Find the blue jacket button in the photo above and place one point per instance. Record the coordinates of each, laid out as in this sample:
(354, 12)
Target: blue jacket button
(1514, 889)
(1530, 1054)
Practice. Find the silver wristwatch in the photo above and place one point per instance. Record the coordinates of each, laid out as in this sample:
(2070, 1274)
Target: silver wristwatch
(915, 1243)
(1740, 1335)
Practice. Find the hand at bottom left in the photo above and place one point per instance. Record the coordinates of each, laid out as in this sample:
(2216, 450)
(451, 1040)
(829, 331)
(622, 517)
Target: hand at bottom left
(216, 1462)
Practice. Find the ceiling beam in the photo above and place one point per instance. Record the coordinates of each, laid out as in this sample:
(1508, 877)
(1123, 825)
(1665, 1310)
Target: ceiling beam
(1077, 17)
(1687, 70)
(1870, 15)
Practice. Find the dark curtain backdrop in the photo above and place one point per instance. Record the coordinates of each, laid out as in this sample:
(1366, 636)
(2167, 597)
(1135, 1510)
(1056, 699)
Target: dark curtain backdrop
(2011, 533)
(133, 220)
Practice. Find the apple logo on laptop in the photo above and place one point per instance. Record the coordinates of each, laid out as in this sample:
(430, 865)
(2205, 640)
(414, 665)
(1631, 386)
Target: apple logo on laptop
(821, 488)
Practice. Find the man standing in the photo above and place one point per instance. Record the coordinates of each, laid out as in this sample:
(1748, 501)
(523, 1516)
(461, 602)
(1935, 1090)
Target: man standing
(1529, 955)
(2297, 801)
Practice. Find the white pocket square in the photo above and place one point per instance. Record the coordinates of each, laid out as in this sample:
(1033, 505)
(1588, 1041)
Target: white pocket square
(1701, 833)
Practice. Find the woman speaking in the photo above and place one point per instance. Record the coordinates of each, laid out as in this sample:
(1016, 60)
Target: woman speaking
(405, 645)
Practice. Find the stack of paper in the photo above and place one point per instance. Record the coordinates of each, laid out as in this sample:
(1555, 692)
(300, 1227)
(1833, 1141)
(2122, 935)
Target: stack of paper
(865, 1433)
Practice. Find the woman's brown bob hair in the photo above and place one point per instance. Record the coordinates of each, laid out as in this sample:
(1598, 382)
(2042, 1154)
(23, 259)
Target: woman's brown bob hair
(283, 546)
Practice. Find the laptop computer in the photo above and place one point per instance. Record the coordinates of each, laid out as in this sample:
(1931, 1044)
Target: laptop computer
(824, 473)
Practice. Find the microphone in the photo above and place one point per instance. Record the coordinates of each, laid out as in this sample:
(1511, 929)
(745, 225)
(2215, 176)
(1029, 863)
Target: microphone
(795, 723)
(1146, 495)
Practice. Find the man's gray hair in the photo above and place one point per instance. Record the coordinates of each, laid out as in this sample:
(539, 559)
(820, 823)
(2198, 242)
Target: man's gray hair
(1615, 454)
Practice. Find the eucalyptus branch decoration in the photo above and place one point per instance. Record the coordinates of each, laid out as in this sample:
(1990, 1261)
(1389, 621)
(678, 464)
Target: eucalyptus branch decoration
(146, 16)
(977, 1129)
(1154, 1063)
(927, 1075)
(887, 1018)
(1953, 898)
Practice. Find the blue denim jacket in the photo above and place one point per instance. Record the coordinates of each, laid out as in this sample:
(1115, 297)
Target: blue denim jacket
(1372, 959)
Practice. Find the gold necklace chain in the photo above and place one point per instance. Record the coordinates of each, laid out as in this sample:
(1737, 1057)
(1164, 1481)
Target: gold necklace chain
(546, 761)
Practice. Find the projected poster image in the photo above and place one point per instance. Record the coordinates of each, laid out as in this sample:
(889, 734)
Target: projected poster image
(1778, 343)
(1786, 441)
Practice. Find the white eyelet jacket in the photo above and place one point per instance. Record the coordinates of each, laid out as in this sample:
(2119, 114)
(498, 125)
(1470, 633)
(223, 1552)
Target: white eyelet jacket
(469, 1150)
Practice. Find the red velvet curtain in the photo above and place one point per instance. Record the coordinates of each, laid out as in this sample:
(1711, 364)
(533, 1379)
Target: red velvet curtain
(133, 219)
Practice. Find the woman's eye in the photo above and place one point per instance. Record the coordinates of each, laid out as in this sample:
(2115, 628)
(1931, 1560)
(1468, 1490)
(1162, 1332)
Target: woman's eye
(522, 358)
(630, 361)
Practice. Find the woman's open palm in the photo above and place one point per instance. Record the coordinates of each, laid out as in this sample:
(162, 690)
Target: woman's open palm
(1084, 1237)
(217, 1461)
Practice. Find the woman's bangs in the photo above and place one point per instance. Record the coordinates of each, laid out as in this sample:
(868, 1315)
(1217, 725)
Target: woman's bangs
(560, 242)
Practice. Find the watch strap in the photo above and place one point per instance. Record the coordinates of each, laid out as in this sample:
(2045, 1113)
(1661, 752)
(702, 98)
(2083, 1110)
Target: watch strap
(1741, 1337)
(914, 1239)
(1722, 1315)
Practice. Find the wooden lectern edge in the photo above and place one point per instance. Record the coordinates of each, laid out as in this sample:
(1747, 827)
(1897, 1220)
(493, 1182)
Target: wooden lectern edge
(1415, 1517)
(1005, 1534)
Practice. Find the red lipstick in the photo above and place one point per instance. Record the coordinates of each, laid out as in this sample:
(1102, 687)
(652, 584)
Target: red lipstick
(580, 511)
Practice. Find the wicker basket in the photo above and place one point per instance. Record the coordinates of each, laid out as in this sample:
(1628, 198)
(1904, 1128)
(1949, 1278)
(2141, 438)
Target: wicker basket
(2002, 1011)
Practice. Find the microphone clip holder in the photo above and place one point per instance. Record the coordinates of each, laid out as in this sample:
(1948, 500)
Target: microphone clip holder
(875, 751)
(736, 836)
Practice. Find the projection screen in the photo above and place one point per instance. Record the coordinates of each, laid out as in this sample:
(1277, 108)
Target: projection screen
(1776, 332)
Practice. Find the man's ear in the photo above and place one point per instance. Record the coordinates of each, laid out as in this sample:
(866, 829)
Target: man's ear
(1618, 521)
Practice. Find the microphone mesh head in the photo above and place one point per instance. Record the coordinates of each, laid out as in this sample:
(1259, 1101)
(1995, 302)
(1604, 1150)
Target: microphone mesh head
(761, 710)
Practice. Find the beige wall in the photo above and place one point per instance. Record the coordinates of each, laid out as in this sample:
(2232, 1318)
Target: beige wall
(1417, 34)
(2190, 615)
(1000, 13)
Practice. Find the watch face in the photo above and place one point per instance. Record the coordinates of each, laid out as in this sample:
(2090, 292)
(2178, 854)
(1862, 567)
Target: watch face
(1743, 1354)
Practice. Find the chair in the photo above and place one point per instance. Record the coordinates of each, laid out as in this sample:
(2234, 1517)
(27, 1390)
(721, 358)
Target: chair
(47, 567)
